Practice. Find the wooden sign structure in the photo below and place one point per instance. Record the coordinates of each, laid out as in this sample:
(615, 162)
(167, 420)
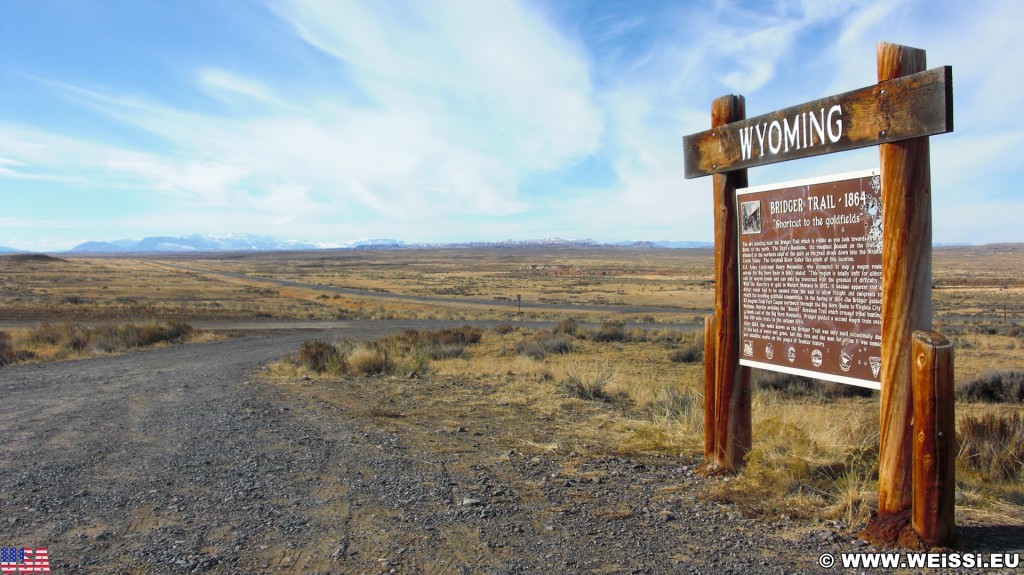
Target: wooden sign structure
(897, 114)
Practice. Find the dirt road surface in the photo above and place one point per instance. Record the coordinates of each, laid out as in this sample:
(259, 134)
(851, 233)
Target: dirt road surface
(187, 460)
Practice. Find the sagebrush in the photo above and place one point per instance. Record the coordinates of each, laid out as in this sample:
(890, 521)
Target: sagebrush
(542, 343)
(109, 338)
(408, 352)
(1000, 386)
(993, 445)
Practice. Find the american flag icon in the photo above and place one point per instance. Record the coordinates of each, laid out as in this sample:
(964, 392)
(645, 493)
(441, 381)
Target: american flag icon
(24, 560)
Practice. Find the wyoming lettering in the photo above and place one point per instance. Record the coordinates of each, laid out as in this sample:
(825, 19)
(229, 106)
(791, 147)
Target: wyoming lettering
(782, 137)
(24, 560)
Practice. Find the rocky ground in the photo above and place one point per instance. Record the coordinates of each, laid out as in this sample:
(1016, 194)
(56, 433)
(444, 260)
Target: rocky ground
(191, 460)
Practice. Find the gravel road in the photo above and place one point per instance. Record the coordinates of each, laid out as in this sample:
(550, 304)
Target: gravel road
(185, 460)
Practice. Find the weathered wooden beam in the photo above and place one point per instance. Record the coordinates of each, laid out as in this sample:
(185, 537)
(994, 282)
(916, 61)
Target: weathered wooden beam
(906, 286)
(732, 382)
(934, 449)
(895, 109)
(710, 335)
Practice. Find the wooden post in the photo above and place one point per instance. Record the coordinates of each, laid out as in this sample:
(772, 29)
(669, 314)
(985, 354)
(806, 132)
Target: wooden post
(732, 382)
(934, 451)
(906, 286)
(709, 387)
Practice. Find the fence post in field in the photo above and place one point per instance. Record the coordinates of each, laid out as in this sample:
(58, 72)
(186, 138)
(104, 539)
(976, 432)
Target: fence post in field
(934, 450)
(732, 422)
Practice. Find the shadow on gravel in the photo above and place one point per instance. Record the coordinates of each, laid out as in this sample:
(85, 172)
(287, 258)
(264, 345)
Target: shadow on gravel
(991, 538)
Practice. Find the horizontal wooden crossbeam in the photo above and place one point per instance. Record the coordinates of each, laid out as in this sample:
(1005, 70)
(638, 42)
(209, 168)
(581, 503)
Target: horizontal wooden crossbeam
(907, 107)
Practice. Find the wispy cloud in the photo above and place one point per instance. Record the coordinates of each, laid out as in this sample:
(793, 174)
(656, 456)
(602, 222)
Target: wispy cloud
(227, 85)
(460, 101)
(207, 182)
(437, 121)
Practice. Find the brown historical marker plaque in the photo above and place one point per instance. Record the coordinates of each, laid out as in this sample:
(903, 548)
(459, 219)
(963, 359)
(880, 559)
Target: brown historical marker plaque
(810, 254)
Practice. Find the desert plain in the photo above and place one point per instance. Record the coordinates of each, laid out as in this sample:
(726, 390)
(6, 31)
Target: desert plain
(575, 359)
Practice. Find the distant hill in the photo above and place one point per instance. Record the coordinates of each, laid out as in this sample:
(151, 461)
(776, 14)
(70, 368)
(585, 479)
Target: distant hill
(666, 244)
(6, 250)
(22, 257)
(96, 248)
(551, 242)
(372, 244)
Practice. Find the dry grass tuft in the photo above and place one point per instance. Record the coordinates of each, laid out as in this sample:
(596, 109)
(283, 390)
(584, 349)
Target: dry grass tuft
(610, 331)
(568, 326)
(590, 382)
(689, 353)
(7, 352)
(993, 445)
(320, 356)
(464, 335)
(503, 328)
(370, 359)
(542, 343)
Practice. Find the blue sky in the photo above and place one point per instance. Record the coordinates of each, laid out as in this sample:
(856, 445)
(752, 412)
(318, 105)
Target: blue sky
(332, 120)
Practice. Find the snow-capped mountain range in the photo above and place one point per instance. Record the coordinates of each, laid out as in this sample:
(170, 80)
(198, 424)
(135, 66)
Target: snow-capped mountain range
(246, 242)
(254, 243)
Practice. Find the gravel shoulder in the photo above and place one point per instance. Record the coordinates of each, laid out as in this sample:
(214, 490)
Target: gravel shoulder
(188, 459)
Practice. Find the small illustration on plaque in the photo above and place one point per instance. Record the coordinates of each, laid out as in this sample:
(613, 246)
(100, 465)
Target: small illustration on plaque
(845, 361)
(769, 351)
(748, 347)
(816, 358)
(876, 365)
(791, 354)
(751, 217)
